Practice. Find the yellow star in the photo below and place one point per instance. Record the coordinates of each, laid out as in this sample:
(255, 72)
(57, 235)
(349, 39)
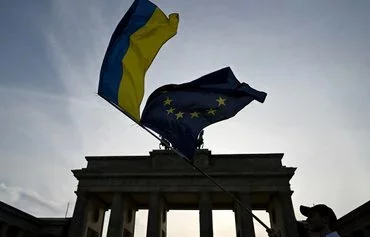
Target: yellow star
(211, 111)
(179, 115)
(221, 101)
(170, 110)
(167, 101)
(194, 115)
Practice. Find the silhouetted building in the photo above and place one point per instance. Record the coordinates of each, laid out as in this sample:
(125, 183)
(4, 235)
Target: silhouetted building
(16, 223)
(260, 181)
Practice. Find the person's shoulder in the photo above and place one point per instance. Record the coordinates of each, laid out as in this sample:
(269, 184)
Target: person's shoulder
(333, 234)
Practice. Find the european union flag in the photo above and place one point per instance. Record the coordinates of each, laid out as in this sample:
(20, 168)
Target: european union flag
(179, 112)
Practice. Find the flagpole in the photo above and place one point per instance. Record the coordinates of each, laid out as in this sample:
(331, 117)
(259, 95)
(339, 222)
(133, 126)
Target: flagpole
(223, 189)
(191, 163)
(135, 121)
(67, 210)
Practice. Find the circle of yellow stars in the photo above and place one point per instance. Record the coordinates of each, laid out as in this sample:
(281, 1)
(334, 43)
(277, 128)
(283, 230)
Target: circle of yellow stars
(195, 114)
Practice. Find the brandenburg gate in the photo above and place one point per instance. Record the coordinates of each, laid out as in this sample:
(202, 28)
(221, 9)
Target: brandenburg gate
(162, 181)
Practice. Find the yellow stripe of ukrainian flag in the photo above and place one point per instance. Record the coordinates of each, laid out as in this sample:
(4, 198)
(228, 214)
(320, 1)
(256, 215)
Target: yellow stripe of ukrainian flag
(144, 46)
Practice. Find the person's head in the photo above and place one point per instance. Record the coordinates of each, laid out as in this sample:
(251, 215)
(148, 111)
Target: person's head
(319, 217)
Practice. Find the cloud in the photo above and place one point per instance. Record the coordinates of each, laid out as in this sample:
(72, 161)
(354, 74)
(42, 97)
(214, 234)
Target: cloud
(77, 45)
(28, 200)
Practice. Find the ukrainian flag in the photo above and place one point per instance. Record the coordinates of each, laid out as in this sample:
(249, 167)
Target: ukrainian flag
(137, 39)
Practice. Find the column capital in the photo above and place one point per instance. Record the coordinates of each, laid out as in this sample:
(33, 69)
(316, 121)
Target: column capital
(81, 194)
(243, 196)
(205, 196)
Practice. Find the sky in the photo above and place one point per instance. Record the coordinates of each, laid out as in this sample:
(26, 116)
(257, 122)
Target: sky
(312, 58)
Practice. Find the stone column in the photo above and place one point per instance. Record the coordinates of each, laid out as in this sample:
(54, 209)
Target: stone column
(205, 215)
(157, 223)
(96, 211)
(130, 216)
(366, 230)
(290, 220)
(78, 223)
(282, 216)
(116, 220)
(102, 222)
(4, 229)
(20, 233)
(243, 219)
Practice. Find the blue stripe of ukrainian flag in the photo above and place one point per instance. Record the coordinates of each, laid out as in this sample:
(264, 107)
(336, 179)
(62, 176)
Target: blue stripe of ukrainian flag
(137, 39)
